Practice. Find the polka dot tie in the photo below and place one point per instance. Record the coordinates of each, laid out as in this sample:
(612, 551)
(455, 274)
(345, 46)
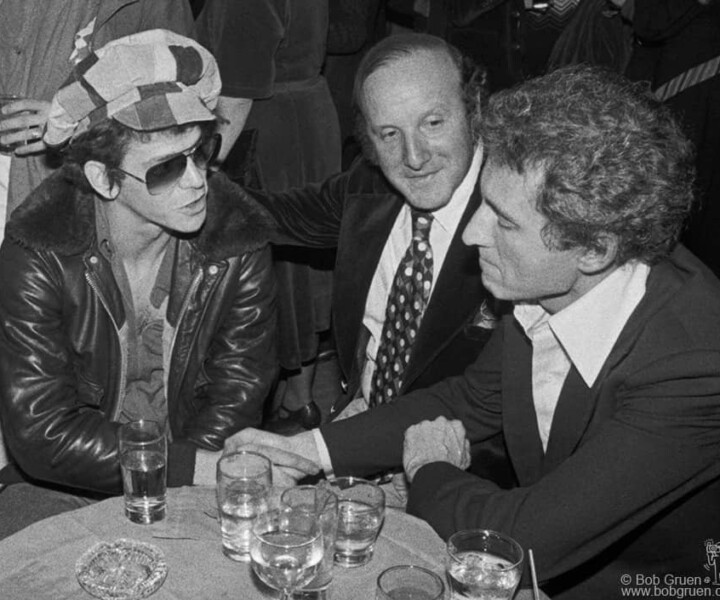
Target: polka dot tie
(405, 308)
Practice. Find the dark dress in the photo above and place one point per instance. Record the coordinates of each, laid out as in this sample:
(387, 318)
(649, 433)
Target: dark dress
(272, 51)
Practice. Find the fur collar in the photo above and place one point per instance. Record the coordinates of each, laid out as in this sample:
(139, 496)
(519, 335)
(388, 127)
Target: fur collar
(57, 217)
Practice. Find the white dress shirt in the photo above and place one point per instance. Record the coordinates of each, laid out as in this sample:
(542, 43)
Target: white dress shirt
(444, 226)
(582, 334)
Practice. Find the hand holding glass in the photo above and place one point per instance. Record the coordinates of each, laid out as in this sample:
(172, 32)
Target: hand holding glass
(286, 548)
(483, 565)
(143, 461)
(244, 482)
(5, 100)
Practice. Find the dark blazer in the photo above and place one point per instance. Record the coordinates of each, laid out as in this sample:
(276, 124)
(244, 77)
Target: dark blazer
(355, 211)
(630, 483)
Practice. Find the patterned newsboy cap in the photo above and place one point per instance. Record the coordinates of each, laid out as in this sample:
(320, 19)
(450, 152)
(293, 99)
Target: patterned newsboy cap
(146, 81)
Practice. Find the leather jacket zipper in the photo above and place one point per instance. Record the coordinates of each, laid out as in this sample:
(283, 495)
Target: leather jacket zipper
(183, 309)
(123, 351)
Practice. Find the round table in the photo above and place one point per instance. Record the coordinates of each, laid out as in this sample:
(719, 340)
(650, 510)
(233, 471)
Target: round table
(38, 562)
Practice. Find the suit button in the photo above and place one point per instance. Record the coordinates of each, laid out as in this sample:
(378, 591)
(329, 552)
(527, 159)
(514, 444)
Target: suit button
(93, 260)
(213, 270)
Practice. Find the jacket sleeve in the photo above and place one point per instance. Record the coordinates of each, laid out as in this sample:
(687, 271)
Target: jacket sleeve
(239, 365)
(309, 216)
(373, 440)
(54, 433)
(660, 446)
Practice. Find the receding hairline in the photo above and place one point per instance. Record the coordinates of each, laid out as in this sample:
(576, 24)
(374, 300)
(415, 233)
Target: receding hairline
(439, 52)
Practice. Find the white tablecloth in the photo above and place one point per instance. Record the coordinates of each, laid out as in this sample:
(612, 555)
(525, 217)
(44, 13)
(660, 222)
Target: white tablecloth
(38, 563)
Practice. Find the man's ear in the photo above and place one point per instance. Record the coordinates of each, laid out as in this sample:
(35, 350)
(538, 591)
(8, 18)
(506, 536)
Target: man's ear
(600, 256)
(97, 176)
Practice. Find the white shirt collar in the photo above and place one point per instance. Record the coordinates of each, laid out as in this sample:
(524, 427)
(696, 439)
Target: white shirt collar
(588, 328)
(449, 215)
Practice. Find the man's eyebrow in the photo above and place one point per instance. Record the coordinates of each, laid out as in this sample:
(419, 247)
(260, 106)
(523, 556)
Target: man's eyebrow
(190, 150)
(439, 109)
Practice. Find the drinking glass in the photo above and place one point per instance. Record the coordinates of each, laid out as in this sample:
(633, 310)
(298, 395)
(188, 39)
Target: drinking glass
(321, 501)
(143, 461)
(286, 548)
(361, 509)
(244, 483)
(409, 582)
(483, 565)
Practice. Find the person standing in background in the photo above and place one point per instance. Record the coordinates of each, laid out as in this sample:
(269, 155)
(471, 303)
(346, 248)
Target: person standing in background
(355, 26)
(40, 42)
(677, 49)
(270, 54)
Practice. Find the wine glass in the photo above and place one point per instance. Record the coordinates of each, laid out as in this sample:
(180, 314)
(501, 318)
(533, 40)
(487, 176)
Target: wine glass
(286, 548)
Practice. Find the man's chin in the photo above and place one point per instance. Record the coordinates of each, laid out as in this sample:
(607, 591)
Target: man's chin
(428, 201)
(190, 226)
(492, 286)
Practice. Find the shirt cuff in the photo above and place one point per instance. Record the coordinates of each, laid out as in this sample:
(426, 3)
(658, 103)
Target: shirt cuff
(323, 453)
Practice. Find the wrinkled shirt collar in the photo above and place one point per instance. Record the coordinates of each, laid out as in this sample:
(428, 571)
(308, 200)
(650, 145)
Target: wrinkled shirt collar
(588, 328)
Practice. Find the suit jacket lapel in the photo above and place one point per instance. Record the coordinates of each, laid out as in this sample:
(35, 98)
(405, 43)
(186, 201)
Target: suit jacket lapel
(371, 220)
(572, 415)
(578, 404)
(457, 295)
(519, 421)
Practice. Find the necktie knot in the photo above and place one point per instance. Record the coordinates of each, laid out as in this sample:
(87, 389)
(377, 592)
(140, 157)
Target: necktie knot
(421, 223)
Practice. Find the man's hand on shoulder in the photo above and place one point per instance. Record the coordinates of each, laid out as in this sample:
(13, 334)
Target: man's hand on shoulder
(293, 457)
(440, 440)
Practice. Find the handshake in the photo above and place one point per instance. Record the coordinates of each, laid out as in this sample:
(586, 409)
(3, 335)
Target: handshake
(298, 456)
(293, 457)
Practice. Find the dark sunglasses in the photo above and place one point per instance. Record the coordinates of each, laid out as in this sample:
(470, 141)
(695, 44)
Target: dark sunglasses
(165, 175)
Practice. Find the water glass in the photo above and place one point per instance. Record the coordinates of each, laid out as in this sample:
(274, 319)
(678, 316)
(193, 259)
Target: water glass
(143, 461)
(361, 509)
(286, 548)
(483, 565)
(409, 582)
(321, 501)
(244, 483)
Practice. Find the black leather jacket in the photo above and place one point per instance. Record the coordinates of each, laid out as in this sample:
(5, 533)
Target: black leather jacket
(61, 361)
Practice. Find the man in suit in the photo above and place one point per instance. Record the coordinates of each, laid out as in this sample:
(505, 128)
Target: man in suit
(605, 380)
(418, 102)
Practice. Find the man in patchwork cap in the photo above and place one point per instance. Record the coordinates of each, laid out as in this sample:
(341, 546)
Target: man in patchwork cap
(127, 292)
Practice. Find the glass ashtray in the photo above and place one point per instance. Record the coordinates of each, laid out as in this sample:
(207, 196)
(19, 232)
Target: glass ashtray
(121, 570)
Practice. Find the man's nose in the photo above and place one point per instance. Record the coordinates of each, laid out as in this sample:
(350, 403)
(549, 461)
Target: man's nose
(194, 176)
(477, 231)
(416, 152)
